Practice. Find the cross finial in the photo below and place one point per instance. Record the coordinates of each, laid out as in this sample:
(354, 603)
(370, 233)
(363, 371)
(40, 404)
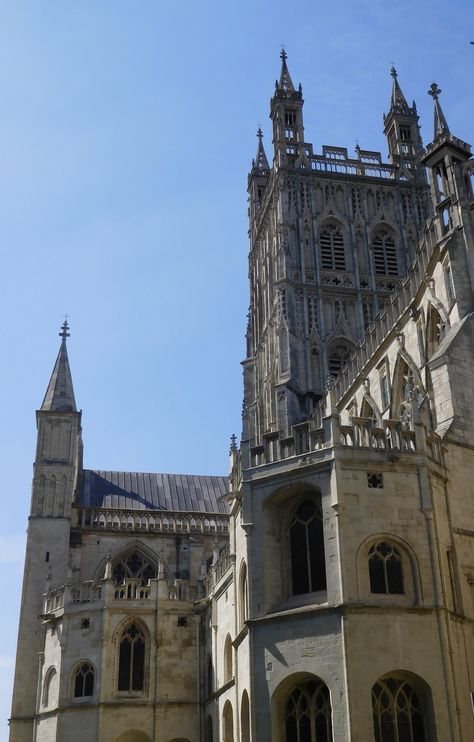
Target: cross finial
(393, 71)
(260, 133)
(283, 54)
(434, 91)
(64, 329)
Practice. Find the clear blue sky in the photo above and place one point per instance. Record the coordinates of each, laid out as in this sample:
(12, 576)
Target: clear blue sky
(126, 134)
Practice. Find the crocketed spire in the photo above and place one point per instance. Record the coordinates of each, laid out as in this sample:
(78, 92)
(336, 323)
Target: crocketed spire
(441, 127)
(286, 82)
(398, 100)
(59, 395)
(260, 163)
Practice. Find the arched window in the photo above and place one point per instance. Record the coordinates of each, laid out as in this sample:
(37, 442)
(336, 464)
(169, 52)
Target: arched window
(385, 254)
(134, 565)
(243, 594)
(245, 718)
(332, 249)
(83, 680)
(434, 331)
(385, 569)
(228, 722)
(308, 713)
(228, 664)
(337, 357)
(50, 687)
(308, 567)
(398, 712)
(131, 671)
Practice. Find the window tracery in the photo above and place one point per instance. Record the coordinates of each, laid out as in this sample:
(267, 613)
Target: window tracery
(83, 680)
(134, 565)
(131, 670)
(308, 568)
(385, 569)
(308, 714)
(398, 712)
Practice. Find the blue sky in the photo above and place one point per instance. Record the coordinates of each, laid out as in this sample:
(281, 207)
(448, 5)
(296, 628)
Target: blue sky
(126, 134)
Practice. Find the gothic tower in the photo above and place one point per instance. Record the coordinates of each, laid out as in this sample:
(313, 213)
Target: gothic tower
(330, 237)
(57, 465)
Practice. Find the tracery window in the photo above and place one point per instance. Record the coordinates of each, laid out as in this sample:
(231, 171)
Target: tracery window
(338, 356)
(385, 255)
(308, 567)
(385, 569)
(308, 714)
(332, 249)
(84, 680)
(133, 565)
(131, 672)
(398, 712)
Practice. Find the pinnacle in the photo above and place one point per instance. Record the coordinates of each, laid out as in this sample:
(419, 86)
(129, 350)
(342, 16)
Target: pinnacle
(440, 124)
(398, 100)
(59, 395)
(261, 162)
(286, 82)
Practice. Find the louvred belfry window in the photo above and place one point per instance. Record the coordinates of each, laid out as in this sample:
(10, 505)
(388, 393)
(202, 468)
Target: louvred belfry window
(131, 674)
(385, 254)
(333, 256)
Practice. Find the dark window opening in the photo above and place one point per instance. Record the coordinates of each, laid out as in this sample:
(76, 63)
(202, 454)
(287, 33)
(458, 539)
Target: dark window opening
(308, 567)
(308, 714)
(84, 681)
(131, 675)
(398, 712)
(385, 570)
(133, 566)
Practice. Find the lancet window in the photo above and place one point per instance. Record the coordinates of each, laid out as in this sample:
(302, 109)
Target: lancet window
(308, 567)
(84, 680)
(385, 569)
(385, 254)
(308, 713)
(131, 672)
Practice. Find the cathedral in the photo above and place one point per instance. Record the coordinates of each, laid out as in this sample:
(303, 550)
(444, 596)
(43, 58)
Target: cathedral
(323, 591)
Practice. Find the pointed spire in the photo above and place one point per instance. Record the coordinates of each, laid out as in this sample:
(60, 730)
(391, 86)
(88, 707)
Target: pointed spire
(441, 127)
(398, 100)
(286, 82)
(59, 395)
(260, 163)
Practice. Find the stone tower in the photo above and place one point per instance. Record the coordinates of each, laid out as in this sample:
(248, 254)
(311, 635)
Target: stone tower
(330, 236)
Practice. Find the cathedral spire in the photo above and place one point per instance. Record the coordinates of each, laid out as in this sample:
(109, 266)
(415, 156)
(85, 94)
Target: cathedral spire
(286, 82)
(398, 100)
(441, 127)
(59, 395)
(260, 164)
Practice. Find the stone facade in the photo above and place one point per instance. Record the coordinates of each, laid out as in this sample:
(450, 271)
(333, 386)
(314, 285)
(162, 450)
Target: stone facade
(325, 590)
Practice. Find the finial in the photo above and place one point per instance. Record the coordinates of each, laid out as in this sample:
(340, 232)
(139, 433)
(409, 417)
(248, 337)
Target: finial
(434, 91)
(260, 133)
(233, 444)
(283, 54)
(393, 72)
(64, 329)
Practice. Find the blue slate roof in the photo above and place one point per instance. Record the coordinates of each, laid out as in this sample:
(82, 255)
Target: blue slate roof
(141, 491)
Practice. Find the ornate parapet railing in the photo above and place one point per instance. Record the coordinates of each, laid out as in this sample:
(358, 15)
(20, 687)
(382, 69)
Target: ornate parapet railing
(158, 521)
(389, 436)
(218, 570)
